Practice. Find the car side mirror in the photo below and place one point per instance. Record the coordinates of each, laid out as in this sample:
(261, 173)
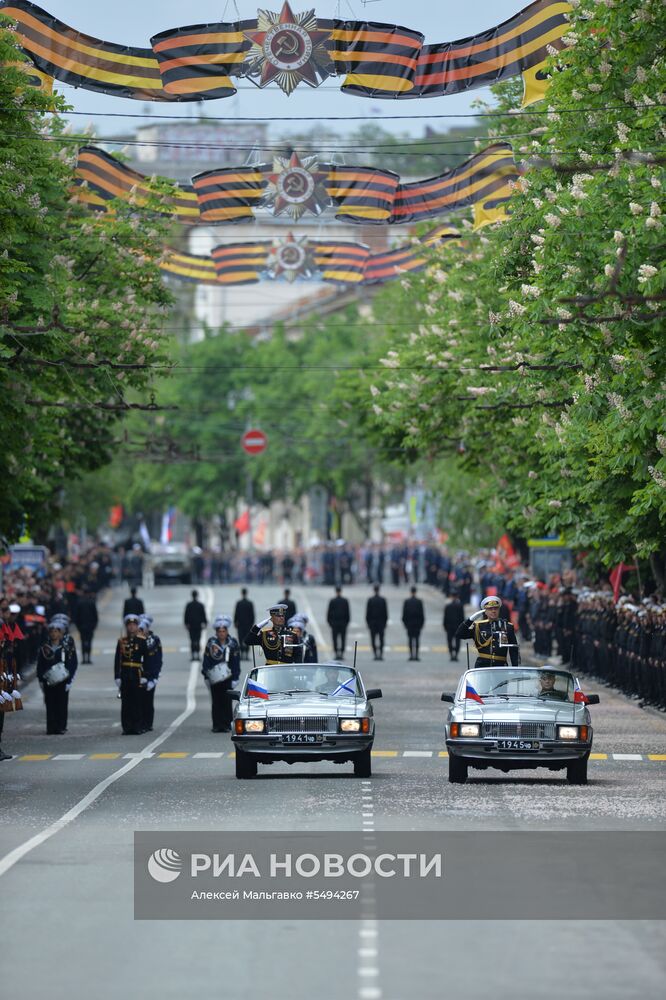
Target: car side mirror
(448, 697)
(373, 693)
(234, 695)
(592, 699)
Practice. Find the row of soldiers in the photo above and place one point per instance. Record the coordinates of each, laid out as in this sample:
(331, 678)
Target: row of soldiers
(623, 644)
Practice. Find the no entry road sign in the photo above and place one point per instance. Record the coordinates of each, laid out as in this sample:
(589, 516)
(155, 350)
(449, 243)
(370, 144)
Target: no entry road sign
(254, 442)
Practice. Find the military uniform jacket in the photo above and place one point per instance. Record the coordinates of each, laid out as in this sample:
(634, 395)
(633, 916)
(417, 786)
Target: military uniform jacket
(152, 664)
(485, 636)
(65, 653)
(310, 654)
(130, 655)
(215, 651)
(272, 641)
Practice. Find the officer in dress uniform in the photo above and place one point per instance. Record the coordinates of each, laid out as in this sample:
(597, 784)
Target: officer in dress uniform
(56, 666)
(152, 668)
(298, 624)
(494, 637)
(11, 661)
(221, 670)
(279, 643)
(128, 672)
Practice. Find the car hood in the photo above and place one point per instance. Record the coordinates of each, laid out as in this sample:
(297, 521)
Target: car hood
(520, 710)
(302, 705)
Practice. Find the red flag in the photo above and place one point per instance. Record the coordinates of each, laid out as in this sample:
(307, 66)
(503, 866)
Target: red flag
(615, 577)
(6, 632)
(17, 634)
(242, 523)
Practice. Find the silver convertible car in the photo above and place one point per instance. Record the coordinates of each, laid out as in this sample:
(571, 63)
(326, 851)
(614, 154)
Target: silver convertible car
(303, 712)
(519, 717)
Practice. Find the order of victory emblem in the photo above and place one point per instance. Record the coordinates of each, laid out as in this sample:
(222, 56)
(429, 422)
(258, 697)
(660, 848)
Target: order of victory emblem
(287, 49)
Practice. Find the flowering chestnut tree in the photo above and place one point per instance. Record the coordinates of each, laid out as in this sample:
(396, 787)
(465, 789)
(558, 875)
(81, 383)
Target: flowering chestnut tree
(81, 306)
(538, 343)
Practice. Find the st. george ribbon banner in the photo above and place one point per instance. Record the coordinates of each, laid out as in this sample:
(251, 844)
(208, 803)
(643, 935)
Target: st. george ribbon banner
(296, 186)
(304, 259)
(197, 62)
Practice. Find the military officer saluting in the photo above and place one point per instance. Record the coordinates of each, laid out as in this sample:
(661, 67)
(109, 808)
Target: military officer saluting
(494, 637)
(128, 672)
(279, 642)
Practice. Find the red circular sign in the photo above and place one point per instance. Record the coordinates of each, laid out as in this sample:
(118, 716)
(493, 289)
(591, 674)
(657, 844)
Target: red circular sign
(254, 442)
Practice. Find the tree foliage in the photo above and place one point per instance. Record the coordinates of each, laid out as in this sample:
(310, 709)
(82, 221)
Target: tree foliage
(81, 306)
(538, 343)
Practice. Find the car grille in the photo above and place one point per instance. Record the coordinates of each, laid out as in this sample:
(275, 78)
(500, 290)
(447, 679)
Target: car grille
(302, 724)
(526, 730)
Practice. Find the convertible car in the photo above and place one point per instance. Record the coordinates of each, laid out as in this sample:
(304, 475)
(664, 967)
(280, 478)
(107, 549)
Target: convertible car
(519, 717)
(303, 712)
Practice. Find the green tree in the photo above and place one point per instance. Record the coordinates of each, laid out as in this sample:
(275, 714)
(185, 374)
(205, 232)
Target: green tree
(81, 307)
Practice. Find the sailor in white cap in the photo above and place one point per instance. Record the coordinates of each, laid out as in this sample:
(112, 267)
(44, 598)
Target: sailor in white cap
(221, 670)
(494, 637)
(279, 642)
(298, 624)
(128, 673)
(152, 668)
(56, 666)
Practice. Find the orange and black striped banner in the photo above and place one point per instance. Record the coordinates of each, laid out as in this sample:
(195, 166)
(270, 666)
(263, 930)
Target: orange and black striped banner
(197, 62)
(363, 194)
(107, 178)
(337, 261)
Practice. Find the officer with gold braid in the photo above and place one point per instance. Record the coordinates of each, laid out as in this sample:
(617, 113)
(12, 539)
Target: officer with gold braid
(494, 637)
(279, 642)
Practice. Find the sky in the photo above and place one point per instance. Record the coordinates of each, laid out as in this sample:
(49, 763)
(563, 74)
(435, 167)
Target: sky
(132, 22)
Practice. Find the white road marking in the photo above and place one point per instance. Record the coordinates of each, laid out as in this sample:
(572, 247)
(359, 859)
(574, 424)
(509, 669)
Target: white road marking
(13, 857)
(627, 756)
(68, 756)
(417, 753)
(208, 756)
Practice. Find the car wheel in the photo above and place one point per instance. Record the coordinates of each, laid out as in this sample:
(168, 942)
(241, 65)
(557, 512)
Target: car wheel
(363, 764)
(577, 772)
(457, 770)
(246, 767)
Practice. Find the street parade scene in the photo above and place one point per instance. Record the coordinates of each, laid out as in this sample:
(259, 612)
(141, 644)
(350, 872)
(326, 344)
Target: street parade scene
(333, 518)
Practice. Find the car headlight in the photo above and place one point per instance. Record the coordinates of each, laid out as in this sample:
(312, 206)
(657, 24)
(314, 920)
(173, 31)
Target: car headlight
(469, 729)
(350, 725)
(567, 732)
(254, 725)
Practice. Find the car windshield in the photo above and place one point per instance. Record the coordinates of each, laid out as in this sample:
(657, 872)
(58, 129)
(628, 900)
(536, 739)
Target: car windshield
(520, 682)
(313, 678)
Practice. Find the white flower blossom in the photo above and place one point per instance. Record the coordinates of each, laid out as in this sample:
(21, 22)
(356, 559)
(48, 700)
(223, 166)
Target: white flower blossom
(539, 240)
(595, 87)
(658, 476)
(515, 308)
(622, 132)
(618, 236)
(617, 362)
(494, 318)
(532, 291)
(552, 219)
(374, 391)
(618, 404)
(532, 474)
(555, 503)
(377, 410)
(609, 270)
(635, 208)
(479, 390)
(661, 443)
(645, 272)
(655, 211)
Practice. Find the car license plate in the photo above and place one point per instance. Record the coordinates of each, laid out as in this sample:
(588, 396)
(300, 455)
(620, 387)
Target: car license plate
(302, 738)
(518, 744)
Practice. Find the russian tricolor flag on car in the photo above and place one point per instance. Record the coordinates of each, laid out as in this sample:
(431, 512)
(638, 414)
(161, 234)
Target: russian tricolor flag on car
(255, 690)
(579, 697)
(472, 694)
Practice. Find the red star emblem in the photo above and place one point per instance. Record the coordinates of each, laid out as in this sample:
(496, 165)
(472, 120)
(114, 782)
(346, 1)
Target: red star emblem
(297, 186)
(287, 48)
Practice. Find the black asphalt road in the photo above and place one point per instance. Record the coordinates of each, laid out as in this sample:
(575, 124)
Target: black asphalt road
(69, 806)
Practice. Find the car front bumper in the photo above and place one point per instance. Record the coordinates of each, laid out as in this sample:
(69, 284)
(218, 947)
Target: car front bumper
(334, 746)
(484, 753)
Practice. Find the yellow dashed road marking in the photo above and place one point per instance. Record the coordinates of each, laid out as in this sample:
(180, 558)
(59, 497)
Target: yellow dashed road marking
(384, 753)
(174, 756)
(35, 756)
(598, 756)
(657, 756)
(104, 756)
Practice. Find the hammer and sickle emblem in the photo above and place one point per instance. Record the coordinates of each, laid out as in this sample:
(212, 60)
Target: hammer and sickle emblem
(286, 44)
(294, 184)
